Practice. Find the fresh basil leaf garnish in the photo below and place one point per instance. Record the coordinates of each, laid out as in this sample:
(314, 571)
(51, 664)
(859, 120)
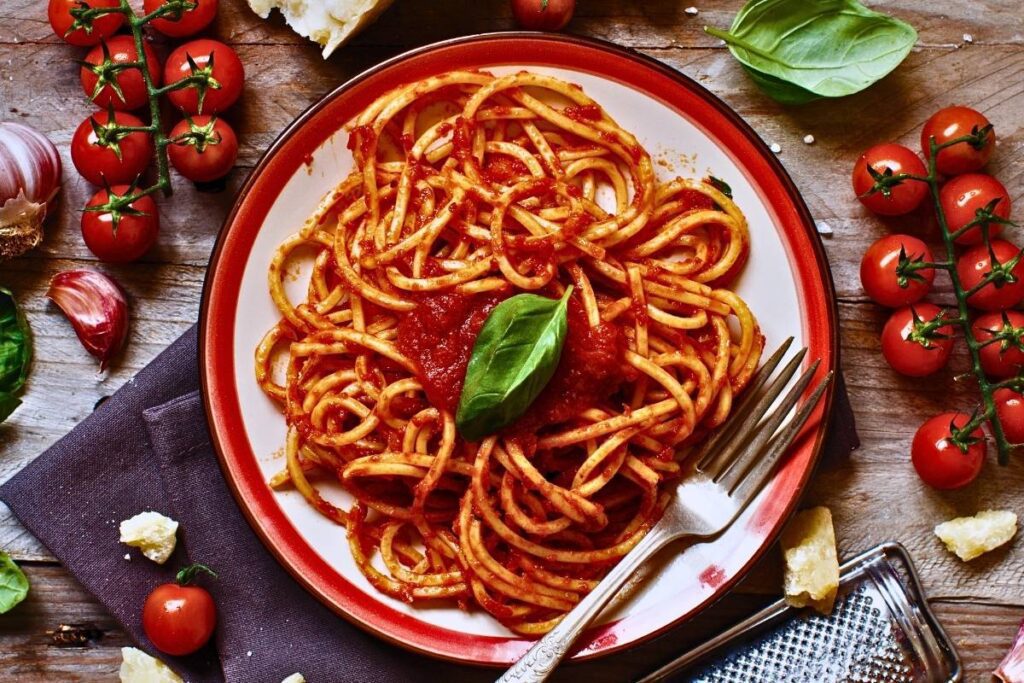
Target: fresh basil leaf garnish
(15, 353)
(13, 584)
(513, 359)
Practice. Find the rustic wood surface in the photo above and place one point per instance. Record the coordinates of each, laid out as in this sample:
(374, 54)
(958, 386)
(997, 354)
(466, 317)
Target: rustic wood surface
(874, 494)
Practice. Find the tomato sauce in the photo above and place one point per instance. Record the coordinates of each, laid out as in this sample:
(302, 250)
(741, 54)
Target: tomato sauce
(583, 112)
(501, 168)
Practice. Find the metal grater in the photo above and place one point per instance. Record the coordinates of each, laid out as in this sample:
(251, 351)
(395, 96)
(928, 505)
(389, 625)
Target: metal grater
(881, 631)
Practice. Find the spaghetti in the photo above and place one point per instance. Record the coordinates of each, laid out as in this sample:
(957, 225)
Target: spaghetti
(469, 188)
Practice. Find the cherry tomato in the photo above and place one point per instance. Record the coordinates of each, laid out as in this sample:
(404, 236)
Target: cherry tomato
(954, 122)
(975, 263)
(940, 462)
(190, 22)
(99, 164)
(878, 273)
(963, 196)
(917, 348)
(889, 159)
(130, 238)
(1010, 411)
(129, 82)
(226, 71)
(543, 15)
(59, 12)
(1002, 358)
(179, 619)
(210, 151)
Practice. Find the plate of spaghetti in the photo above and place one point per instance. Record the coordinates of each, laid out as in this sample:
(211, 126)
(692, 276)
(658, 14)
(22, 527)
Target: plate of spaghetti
(470, 314)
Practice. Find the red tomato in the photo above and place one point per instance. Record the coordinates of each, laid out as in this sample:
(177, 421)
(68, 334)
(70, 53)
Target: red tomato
(1010, 411)
(889, 159)
(955, 122)
(975, 263)
(939, 461)
(208, 153)
(179, 619)
(1002, 358)
(226, 71)
(962, 197)
(188, 23)
(130, 238)
(98, 163)
(102, 83)
(917, 348)
(543, 15)
(878, 273)
(63, 24)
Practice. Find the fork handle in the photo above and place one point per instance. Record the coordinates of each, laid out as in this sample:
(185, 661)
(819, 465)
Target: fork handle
(541, 659)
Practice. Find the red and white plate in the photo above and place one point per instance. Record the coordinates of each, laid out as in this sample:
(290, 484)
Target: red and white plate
(689, 132)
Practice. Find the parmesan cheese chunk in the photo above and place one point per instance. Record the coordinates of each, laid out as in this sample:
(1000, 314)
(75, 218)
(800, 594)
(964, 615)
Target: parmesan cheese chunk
(152, 533)
(295, 678)
(328, 22)
(812, 567)
(138, 667)
(970, 537)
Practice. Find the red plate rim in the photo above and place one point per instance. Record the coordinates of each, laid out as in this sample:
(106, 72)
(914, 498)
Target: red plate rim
(285, 157)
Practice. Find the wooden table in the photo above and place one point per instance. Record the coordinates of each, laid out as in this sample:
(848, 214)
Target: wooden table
(874, 495)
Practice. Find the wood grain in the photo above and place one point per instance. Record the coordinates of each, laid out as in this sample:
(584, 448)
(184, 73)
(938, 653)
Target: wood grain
(874, 494)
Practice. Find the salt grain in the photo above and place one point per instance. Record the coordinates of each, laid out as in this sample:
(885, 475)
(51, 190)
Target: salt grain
(823, 227)
(968, 38)
(775, 147)
(808, 139)
(692, 11)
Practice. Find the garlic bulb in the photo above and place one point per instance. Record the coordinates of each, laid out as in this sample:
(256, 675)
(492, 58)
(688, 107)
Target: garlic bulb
(29, 179)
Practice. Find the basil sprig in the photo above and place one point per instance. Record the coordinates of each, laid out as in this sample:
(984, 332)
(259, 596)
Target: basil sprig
(15, 353)
(13, 583)
(514, 357)
(802, 50)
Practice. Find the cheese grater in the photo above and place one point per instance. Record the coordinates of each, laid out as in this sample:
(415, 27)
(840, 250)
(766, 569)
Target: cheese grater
(880, 631)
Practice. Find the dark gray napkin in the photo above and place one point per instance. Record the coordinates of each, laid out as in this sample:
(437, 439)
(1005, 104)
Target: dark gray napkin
(147, 448)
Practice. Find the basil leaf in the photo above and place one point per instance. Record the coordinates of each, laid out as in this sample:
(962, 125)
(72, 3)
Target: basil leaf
(15, 352)
(13, 583)
(513, 359)
(801, 50)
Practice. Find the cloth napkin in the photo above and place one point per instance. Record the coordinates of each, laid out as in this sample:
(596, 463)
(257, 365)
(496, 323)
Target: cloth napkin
(148, 448)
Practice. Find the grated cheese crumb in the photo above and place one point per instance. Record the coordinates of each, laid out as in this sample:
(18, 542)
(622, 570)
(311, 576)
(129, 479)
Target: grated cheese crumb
(152, 533)
(295, 678)
(808, 139)
(823, 228)
(692, 11)
(775, 147)
(968, 38)
(128, 557)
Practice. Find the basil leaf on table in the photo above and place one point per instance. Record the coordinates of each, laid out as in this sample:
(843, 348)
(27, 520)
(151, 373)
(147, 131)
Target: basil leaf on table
(513, 359)
(15, 353)
(802, 50)
(13, 584)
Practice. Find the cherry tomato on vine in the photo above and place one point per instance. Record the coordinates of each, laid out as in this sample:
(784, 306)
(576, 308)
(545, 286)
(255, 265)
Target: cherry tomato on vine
(107, 85)
(543, 15)
(1010, 411)
(120, 236)
(964, 196)
(887, 160)
(63, 24)
(916, 340)
(178, 618)
(1002, 358)
(213, 60)
(999, 294)
(207, 152)
(883, 278)
(98, 162)
(943, 461)
(955, 122)
(189, 22)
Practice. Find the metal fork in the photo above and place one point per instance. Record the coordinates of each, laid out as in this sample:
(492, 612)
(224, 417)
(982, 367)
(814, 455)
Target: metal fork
(731, 468)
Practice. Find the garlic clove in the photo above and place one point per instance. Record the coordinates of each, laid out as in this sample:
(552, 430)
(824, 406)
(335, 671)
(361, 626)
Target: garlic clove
(1011, 669)
(30, 172)
(97, 309)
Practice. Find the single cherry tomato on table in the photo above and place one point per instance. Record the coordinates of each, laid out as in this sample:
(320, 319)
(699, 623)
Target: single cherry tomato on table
(945, 460)
(179, 618)
(120, 235)
(205, 148)
(955, 122)
(1003, 358)
(543, 15)
(212, 60)
(179, 25)
(107, 85)
(889, 159)
(917, 340)
(1006, 290)
(105, 156)
(888, 273)
(965, 196)
(75, 33)
(1010, 411)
